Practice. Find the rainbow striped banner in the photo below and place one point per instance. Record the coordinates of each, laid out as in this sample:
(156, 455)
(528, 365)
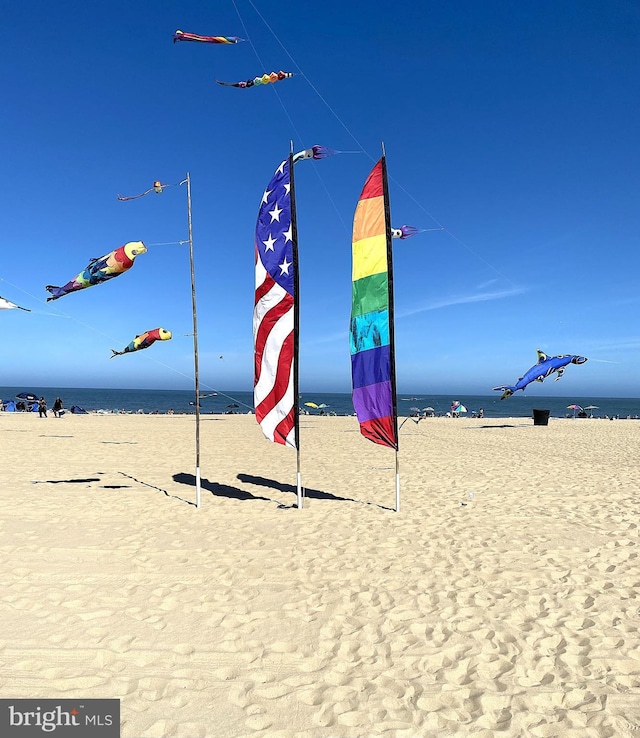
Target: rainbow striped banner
(372, 336)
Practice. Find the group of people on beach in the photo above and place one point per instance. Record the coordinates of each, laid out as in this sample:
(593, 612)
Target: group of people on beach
(31, 405)
(57, 408)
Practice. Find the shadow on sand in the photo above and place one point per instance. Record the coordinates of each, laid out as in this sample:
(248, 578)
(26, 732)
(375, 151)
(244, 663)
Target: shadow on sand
(500, 425)
(66, 481)
(217, 489)
(153, 486)
(312, 494)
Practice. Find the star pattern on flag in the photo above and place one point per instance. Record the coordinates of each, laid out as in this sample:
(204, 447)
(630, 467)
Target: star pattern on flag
(284, 267)
(275, 213)
(274, 230)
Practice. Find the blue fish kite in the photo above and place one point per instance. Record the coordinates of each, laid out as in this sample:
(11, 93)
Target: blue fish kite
(546, 366)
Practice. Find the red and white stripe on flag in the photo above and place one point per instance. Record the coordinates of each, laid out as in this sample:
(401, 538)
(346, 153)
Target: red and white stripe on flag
(273, 342)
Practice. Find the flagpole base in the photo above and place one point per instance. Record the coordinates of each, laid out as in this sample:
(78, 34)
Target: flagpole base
(397, 483)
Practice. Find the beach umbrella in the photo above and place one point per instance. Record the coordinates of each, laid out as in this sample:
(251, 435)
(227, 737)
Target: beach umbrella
(428, 410)
(315, 406)
(461, 409)
(27, 396)
(592, 407)
(575, 408)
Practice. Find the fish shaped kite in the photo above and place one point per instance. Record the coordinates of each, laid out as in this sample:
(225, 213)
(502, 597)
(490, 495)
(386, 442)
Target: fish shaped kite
(143, 341)
(100, 270)
(546, 366)
(315, 152)
(157, 187)
(182, 36)
(405, 231)
(7, 305)
(265, 79)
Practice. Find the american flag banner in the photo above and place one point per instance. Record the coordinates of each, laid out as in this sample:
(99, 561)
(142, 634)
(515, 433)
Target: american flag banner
(275, 310)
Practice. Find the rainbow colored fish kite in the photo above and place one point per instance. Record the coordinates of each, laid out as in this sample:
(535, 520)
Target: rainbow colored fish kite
(143, 341)
(100, 270)
(182, 36)
(265, 79)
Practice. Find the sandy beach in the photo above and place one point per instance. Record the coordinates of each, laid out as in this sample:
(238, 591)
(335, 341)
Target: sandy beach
(503, 599)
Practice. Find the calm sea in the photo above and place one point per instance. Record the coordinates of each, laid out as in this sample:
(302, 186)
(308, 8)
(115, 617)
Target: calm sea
(181, 401)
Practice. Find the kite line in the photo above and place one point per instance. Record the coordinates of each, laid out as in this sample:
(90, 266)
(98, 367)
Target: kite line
(440, 227)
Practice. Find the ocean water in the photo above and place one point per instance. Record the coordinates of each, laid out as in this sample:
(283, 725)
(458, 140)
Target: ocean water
(182, 401)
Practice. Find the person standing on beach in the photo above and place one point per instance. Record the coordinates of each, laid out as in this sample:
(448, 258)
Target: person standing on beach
(57, 407)
(42, 407)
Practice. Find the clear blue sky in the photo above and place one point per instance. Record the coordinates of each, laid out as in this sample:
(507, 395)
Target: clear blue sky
(512, 124)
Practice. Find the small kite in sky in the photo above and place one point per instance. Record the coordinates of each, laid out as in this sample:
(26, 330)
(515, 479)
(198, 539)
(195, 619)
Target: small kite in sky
(405, 231)
(100, 270)
(157, 187)
(182, 36)
(143, 341)
(265, 79)
(6, 305)
(546, 366)
(316, 152)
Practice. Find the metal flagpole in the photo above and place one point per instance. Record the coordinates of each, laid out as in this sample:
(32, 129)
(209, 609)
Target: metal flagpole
(195, 342)
(392, 340)
(397, 482)
(296, 324)
(298, 479)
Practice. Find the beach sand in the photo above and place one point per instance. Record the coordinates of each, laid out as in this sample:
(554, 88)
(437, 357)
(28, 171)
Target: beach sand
(503, 599)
